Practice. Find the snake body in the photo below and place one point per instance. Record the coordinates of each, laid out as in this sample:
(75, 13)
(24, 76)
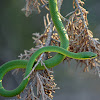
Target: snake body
(62, 52)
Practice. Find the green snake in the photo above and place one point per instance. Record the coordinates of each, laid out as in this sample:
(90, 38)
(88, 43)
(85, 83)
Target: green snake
(62, 53)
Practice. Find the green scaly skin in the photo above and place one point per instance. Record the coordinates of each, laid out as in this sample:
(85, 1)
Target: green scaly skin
(49, 63)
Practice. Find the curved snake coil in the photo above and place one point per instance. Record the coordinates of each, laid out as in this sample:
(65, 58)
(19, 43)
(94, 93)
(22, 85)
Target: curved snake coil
(62, 52)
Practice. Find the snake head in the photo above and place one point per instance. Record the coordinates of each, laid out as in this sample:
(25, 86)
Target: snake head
(92, 55)
(88, 55)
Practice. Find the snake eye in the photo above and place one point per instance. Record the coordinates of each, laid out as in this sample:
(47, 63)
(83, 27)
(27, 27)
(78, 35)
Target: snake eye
(93, 56)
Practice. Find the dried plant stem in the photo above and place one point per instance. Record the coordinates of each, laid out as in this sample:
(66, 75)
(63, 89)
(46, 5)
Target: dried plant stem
(47, 44)
(49, 34)
(81, 14)
(44, 96)
(71, 12)
(59, 4)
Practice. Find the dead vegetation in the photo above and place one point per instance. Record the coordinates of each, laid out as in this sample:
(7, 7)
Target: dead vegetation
(42, 85)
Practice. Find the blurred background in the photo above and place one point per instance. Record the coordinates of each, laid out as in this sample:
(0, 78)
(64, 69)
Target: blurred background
(16, 36)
